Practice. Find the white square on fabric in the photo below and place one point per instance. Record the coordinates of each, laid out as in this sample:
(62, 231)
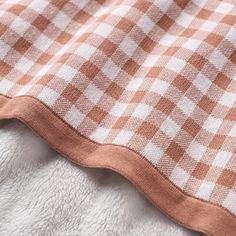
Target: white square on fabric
(202, 83)
(186, 105)
(43, 42)
(163, 5)
(23, 65)
(152, 152)
(224, 8)
(48, 96)
(85, 50)
(123, 137)
(93, 93)
(208, 25)
(80, 3)
(159, 87)
(121, 10)
(169, 127)
(67, 73)
(231, 36)
(212, 124)
(167, 39)
(99, 134)
(176, 64)
(218, 59)
(38, 6)
(222, 158)
(61, 20)
(20, 26)
(200, 3)
(110, 69)
(184, 19)
(103, 29)
(151, 60)
(74, 117)
(4, 49)
(205, 190)
(228, 99)
(128, 46)
(179, 176)
(232, 132)
(142, 111)
(192, 44)
(134, 84)
(146, 24)
(5, 85)
(229, 201)
(195, 150)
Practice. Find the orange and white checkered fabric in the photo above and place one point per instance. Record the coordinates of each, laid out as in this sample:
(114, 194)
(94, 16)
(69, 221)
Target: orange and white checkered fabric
(158, 77)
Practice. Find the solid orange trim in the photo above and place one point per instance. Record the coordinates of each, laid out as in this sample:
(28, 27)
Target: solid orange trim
(188, 211)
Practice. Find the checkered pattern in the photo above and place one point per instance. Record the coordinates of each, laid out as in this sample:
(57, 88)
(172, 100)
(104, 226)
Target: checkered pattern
(156, 76)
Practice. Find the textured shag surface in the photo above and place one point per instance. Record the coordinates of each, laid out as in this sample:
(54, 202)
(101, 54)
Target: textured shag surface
(42, 193)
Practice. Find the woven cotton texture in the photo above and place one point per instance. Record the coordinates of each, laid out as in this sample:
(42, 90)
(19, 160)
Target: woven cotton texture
(158, 77)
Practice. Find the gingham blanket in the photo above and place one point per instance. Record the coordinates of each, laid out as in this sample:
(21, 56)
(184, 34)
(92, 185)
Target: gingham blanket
(145, 88)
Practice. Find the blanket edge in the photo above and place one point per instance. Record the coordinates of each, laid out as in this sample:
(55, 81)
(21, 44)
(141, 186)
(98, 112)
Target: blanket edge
(193, 213)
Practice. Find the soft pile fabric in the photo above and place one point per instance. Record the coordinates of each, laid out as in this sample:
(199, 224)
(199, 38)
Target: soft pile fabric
(146, 88)
(43, 194)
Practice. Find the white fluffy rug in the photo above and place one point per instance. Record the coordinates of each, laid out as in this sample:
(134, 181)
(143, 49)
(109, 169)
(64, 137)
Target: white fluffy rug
(42, 193)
